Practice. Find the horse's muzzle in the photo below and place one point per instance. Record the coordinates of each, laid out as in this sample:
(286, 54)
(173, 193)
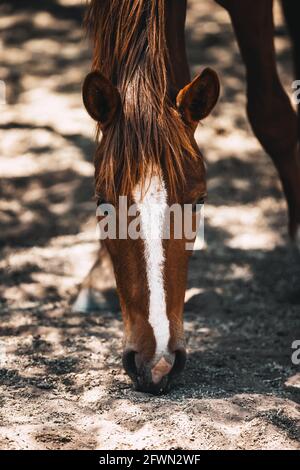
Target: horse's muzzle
(154, 378)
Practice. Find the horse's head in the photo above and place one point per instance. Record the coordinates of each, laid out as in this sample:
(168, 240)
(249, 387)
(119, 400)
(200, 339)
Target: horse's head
(150, 269)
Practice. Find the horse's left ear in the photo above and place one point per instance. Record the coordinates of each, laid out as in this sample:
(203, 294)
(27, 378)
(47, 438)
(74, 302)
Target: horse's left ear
(101, 98)
(196, 100)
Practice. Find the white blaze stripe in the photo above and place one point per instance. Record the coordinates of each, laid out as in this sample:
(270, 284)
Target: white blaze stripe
(152, 207)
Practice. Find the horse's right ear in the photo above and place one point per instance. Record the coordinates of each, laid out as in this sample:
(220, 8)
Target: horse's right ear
(199, 97)
(101, 99)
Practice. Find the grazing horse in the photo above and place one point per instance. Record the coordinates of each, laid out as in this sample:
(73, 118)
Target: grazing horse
(147, 109)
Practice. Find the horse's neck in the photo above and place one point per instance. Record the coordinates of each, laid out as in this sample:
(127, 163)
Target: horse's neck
(175, 35)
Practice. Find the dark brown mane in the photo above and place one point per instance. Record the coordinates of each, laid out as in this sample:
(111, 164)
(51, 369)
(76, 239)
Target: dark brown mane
(130, 48)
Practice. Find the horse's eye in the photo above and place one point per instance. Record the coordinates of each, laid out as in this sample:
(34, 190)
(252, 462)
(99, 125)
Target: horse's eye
(103, 207)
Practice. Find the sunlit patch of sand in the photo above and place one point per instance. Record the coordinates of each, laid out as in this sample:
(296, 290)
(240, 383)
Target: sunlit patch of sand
(94, 395)
(39, 151)
(247, 225)
(67, 2)
(293, 381)
(189, 293)
(61, 266)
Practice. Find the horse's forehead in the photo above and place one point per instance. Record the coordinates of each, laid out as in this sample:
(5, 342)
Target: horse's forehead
(153, 190)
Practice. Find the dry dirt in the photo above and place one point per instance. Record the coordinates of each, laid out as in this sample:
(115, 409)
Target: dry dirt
(62, 384)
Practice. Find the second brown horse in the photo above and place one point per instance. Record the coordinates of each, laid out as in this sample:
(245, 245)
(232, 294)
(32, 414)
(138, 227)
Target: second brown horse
(147, 110)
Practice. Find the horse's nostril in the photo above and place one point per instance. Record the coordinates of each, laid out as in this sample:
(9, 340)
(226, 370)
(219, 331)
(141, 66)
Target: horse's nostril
(154, 379)
(180, 360)
(129, 364)
(161, 368)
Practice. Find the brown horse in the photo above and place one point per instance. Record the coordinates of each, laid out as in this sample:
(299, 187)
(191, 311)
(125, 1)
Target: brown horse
(270, 113)
(147, 110)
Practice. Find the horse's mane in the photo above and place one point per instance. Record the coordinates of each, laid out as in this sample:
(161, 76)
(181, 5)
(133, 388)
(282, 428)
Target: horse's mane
(130, 49)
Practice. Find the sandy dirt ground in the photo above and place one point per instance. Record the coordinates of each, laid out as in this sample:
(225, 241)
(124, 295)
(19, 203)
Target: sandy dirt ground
(61, 381)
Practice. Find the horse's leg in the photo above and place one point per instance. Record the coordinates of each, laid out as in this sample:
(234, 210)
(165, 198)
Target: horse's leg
(176, 15)
(271, 115)
(98, 290)
(291, 11)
